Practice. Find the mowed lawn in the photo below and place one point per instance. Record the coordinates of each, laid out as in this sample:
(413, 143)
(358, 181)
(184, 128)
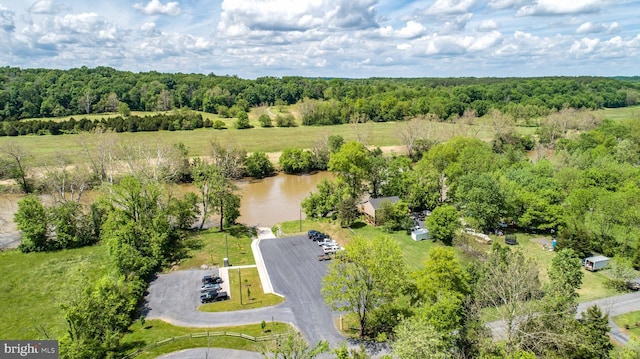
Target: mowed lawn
(33, 285)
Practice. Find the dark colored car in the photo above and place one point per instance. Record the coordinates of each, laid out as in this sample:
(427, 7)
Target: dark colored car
(312, 233)
(210, 279)
(633, 285)
(213, 297)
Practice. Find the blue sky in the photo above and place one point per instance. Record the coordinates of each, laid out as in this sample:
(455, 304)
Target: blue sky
(329, 38)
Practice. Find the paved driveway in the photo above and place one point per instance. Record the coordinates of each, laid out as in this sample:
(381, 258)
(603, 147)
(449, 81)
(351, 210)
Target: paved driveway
(174, 298)
(296, 273)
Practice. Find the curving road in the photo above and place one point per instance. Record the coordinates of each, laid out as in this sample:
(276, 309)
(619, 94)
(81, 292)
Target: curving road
(614, 306)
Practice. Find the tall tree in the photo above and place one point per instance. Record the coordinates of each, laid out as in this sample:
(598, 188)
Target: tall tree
(16, 161)
(443, 223)
(217, 192)
(364, 276)
(508, 281)
(32, 220)
(351, 163)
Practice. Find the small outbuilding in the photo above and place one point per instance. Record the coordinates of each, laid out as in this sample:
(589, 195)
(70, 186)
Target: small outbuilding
(420, 234)
(595, 263)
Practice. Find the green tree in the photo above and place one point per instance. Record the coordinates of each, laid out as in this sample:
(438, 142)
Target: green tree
(482, 199)
(265, 120)
(366, 275)
(417, 339)
(326, 200)
(243, 121)
(508, 281)
(442, 273)
(443, 223)
(217, 193)
(32, 220)
(98, 315)
(596, 342)
(259, 165)
(124, 109)
(351, 164)
(295, 160)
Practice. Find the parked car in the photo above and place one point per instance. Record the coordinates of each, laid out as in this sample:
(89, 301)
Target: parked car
(211, 279)
(324, 257)
(210, 287)
(324, 240)
(331, 249)
(633, 285)
(213, 296)
(312, 233)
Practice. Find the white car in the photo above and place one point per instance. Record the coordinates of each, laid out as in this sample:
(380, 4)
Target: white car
(332, 249)
(210, 287)
(325, 240)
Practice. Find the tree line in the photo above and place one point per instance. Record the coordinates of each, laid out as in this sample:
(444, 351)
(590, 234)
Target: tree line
(37, 93)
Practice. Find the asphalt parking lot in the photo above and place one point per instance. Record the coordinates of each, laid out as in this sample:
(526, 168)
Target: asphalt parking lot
(296, 273)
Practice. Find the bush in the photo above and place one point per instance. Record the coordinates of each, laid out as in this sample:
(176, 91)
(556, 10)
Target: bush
(265, 120)
(285, 120)
(219, 125)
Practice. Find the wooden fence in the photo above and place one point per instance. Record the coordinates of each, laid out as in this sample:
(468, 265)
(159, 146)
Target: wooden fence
(263, 338)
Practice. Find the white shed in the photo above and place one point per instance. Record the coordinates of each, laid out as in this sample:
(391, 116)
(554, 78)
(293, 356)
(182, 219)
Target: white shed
(420, 234)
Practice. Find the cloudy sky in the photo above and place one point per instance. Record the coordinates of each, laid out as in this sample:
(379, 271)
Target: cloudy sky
(332, 38)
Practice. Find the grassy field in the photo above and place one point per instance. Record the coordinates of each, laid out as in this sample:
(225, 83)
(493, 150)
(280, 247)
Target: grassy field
(154, 331)
(253, 295)
(209, 247)
(269, 139)
(255, 139)
(622, 113)
(631, 319)
(33, 285)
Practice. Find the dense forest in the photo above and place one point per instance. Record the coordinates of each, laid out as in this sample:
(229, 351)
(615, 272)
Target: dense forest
(40, 93)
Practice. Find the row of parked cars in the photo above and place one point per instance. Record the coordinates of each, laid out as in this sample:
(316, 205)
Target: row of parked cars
(211, 289)
(328, 245)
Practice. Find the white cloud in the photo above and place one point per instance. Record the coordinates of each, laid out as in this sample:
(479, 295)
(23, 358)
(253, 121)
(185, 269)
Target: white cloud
(592, 28)
(156, 7)
(46, 7)
(555, 7)
(584, 46)
(6, 19)
(412, 29)
(240, 17)
(488, 25)
(455, 25)
(451, 7)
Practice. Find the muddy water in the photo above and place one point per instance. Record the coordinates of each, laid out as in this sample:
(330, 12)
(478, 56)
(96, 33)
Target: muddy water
(276, 199)
(264, 202)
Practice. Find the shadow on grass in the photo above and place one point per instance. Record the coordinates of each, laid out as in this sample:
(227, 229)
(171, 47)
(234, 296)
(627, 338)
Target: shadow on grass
(358, 225)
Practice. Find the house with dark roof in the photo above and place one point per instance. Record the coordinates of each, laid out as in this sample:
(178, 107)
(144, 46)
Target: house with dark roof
(372, 206)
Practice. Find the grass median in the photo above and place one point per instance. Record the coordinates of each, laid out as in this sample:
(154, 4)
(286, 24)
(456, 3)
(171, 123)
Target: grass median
(209, 247)
(246, 293)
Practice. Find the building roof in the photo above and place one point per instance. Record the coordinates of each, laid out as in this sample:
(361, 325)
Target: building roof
(377, 202)
(597, 259)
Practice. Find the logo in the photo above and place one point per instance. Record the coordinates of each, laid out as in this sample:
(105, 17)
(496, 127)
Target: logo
(32, 349)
